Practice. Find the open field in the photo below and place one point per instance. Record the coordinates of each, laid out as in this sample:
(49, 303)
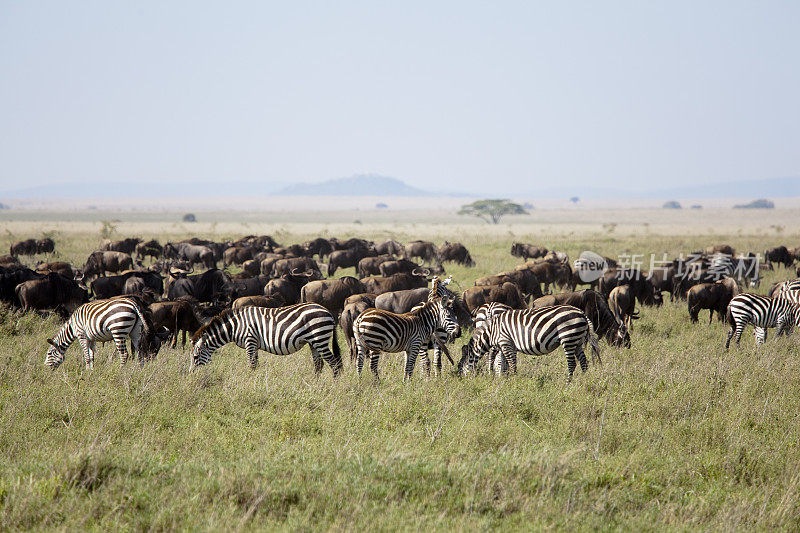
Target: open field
(674, 433)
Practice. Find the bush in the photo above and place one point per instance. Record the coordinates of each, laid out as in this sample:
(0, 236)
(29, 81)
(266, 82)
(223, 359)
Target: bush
(761, 203)
(672, 204)
(189, 217)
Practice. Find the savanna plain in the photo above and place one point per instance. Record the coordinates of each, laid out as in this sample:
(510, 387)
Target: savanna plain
(672, 434)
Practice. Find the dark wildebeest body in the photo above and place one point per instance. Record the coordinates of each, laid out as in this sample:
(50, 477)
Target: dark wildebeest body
(400, 266)
(456, 253)
(370, 266)
(288, 286)
(53, 292)
(525, 279)
(549, 273)
(346, 320)
(347, 258)
(424, 250)
(180, 316)
(60, 267)
(641, 287)
(622, 302)
(194, 254)
(285, 266)
(331, 293)
(366, 297)
(397, 282)
(527, 251)
(390, 247)
(45, 246)
(712, 296)
(780, 255)
(236, 255)
(99, 263)
(508, 293)
(152, 248)
(127, 246)
(10, 280)
(26, 247)
(258, 301)
(253, 286)
(211, 286)
(319, 247)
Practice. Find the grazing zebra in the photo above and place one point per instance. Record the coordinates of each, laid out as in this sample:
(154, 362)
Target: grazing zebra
(281, 331)
(763, 313)
(114, 319)
(535, 332)
(379, 331)
(438, 288)
(481, 318)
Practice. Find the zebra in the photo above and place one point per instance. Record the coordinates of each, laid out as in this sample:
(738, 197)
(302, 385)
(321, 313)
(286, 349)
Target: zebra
(379, 331)
(535, 332)
(438, 288)
(763, 313)
(481, 317)
(114, 319)
(281, 331)
(785, 286)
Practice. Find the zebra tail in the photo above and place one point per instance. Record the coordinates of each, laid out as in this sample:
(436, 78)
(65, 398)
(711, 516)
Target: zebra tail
(335, 345)
(593, 343)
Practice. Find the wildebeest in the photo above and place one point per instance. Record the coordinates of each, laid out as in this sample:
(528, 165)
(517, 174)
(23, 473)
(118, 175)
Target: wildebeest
(780, 255)
(641, 287)
(720, 249)
(319, 247)
(712, 296)
(396, 282)
(62, 267)
(285, 266)
(179, 316)
(45, 246)
(288, 286)
(26, 247)
(366, 297)
(622, 302)
(348, 258)
(346, 320)
(549, 273)
(11, 279)
(152, 248)
(370, 266)
(424, 250)
(127, 246)
(455, 252)
(401, 266)
(236, 255)
(527, 251)
(105, 287)
(212, 285)
(194, 254)
(258, 301)
(98, 263)
(331, 293)
(8, 260)
(663, 280)
(253, 286)
(507, 293)
(525, 279)
(597, 311)
(390, 247)
(54, 292)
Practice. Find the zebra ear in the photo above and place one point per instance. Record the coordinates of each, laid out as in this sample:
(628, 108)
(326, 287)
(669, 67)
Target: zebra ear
(50, 341)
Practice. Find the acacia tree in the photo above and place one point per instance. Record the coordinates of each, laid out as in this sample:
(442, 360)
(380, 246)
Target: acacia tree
(492, 210)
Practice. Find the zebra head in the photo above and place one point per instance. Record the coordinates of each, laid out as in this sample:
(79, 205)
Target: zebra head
(200, 353)
(447, 318)
(474, 350)
(55, 355)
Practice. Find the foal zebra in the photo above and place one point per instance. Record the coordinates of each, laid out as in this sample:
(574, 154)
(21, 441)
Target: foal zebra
(781, 313)
(535, 332)
(114, 319)
(281, 331)
(379, 331)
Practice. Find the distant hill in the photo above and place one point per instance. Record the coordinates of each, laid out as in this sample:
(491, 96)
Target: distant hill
(361, 185)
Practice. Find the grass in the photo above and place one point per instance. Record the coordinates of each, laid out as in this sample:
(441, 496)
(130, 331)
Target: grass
(674, 433)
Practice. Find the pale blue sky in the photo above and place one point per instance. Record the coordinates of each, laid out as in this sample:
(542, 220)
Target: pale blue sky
(444, 95)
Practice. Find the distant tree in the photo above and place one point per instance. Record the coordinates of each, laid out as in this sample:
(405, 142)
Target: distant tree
(189, 217)
(696, 206)
(761, 203)
(672, 204)
(381, 205)
(574, 199)
(492, 210)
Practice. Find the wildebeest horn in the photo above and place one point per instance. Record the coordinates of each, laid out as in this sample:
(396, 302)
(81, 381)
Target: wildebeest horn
(294, 272)
(426, 272)
(416, 272)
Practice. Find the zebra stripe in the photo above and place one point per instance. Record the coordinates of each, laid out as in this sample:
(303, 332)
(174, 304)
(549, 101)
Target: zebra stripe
(533, 332)
(280, 331)
(763, 313)
(786, 286)
(379, 331)
(114, 319)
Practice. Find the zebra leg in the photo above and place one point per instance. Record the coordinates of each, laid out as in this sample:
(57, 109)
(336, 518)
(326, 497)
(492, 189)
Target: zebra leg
(737, 335)
(761, 335)
(411, 358)
(581, 356)
(437, 360)
(136, 339)
(251, 347)
(374, 357)
(509, 357)
(122, 349)
(327, 356)
(424, 361)
(728, 337)
(359, 357)
(87, 347)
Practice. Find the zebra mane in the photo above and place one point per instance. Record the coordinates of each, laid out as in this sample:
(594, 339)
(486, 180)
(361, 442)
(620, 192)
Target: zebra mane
(217, 320)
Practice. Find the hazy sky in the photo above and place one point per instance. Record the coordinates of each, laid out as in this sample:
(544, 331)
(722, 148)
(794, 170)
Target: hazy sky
(444, 95)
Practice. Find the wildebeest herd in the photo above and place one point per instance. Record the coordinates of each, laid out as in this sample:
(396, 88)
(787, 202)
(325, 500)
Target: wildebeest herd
(399, 299)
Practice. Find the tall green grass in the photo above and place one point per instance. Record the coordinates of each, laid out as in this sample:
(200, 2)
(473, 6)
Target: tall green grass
(674, 433)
